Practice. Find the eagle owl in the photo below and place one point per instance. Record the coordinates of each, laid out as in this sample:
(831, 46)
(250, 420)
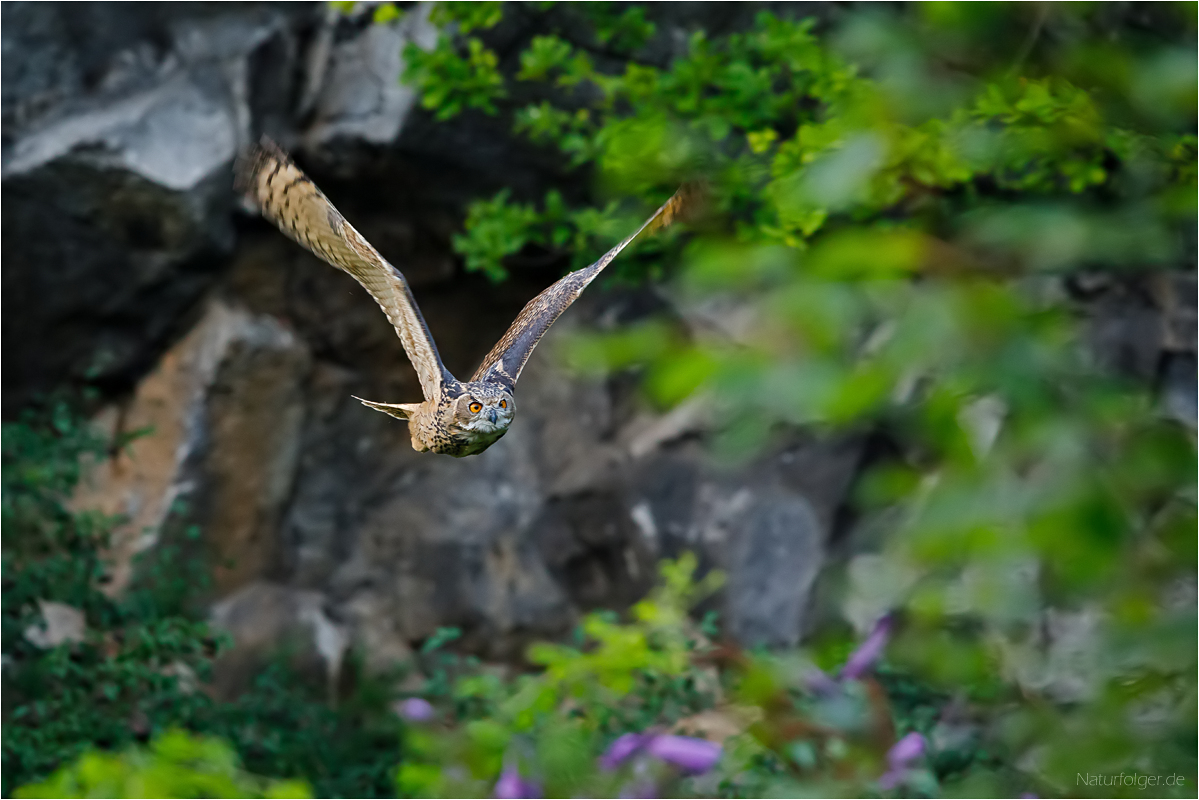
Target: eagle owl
(457, 418)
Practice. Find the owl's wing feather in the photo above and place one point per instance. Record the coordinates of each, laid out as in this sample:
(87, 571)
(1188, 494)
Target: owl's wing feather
(288, 198)
(506, 360)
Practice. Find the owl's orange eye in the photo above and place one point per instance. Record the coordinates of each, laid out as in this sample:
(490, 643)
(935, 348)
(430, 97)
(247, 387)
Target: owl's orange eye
(475, 408)
(503, 404)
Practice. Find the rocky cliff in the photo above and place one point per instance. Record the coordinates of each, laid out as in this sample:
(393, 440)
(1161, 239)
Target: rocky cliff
(128, 264)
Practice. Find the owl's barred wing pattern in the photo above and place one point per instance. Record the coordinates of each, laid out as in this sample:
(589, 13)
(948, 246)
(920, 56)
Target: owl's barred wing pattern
(288, 198)
(506, 360)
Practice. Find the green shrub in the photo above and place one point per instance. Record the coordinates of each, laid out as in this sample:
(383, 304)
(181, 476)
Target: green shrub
(138, 669)
(174, 765)
(619, 711)
(899, 204)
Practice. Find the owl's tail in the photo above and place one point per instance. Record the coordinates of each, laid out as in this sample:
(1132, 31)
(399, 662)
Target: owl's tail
(397, 410)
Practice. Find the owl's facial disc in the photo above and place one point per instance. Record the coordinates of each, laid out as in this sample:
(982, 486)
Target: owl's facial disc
(485, 410)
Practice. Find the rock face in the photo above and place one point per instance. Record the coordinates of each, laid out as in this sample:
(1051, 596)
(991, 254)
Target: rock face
(127, 264)
(311, 501)
(60, 623)
(354, 85)
(120, 125)
(225, 408)
(263, 617)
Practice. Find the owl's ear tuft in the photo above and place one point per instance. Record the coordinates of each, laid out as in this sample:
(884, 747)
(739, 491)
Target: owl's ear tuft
(397, 410)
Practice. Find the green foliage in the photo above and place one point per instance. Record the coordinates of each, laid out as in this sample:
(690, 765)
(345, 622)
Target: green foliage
(128, 666)
(385, 12)
(40, 465)
(783, 732)
(793, 129)
(284, 726)
(654, 647)
(623, 29)
(466, 17)
(499, 229)
(619, 677)
(457, 74)
(895, 204)
(138, 669)
(174, 765)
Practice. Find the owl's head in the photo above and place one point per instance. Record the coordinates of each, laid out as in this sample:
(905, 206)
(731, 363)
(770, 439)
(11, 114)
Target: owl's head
(482, 410)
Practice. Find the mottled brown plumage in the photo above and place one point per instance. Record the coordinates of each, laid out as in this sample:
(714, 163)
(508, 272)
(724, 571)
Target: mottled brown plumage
(506, 360)
(456, 418)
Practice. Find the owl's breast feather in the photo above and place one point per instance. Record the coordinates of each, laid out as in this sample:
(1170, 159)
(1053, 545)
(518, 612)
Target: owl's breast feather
(469, 445)
(431, 435)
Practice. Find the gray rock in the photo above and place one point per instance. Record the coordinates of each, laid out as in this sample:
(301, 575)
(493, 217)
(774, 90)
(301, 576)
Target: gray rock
(246, 465)
(175, 135)
(263, 617)
(1060, 658)
(1178, 388)
(776, 554)
(1176, 296)
(451, 542)
(594, 550)
(60, 623)
(116, 159)
(358, 94)
(559, 517)
(226, 410)
(1127, 328)
(116, 178)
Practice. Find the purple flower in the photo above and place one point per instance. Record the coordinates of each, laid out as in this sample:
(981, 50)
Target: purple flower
(511, 785)
(900, 757)
(625, 747)
(907, 749)
(868, 651)
(415, 709)
(817, 681)
(691, 755)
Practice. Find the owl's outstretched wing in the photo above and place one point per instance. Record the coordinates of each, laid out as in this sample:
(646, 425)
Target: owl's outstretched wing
(288, 198)
(506, 360)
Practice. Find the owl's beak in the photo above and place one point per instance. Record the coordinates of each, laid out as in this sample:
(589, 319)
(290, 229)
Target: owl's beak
(491, 415)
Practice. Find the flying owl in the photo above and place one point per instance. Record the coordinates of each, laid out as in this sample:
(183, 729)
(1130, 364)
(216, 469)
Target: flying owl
(456, 418)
